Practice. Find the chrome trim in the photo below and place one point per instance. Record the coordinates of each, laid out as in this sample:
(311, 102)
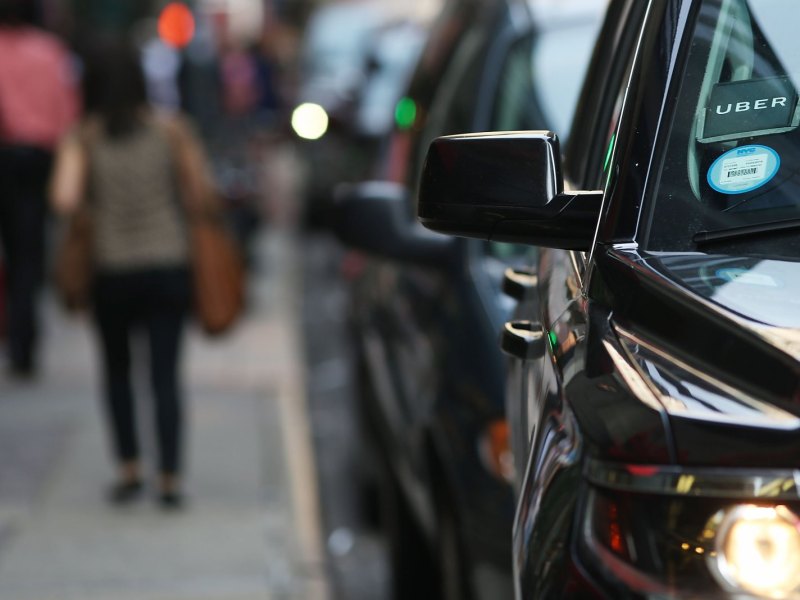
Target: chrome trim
(706, 482)
(633, 378)
(703, 397)
(578, 260)
(635, 64)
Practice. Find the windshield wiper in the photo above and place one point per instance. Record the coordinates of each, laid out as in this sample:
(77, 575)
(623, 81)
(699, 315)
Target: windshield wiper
(732, 233)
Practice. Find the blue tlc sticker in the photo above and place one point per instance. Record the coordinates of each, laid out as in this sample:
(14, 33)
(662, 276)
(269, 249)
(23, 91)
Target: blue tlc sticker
(747, 277)
(743, 169)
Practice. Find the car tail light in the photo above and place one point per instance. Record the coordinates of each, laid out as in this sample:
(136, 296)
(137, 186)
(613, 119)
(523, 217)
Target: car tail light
(664, 531)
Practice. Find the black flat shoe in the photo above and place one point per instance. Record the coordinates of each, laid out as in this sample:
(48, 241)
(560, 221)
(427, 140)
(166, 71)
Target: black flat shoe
(171, 500)
(125, 492)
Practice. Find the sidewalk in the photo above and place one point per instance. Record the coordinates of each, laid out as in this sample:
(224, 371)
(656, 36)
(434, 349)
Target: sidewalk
(251, 530)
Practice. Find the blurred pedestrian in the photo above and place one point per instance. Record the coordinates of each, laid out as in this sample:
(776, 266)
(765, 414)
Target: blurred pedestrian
(124, 163)
(38, 103)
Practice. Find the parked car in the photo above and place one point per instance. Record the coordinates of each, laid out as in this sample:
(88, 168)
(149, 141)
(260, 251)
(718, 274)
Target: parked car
(394, 50)
(426, 307)
(356, 62)
(660, 370)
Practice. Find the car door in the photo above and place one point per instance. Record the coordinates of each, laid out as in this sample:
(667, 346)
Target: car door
(422, 304)
(540, 302)
(559, 319)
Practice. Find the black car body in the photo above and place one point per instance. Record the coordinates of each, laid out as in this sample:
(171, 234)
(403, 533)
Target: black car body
(655, 362)
(427, 307)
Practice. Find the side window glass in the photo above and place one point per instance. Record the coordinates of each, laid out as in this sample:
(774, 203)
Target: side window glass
(560, 51)
(514, 107)
(597, 115)
(601, 170)
(534, 93)
(608, 120)
(452, 109)
(590, 160)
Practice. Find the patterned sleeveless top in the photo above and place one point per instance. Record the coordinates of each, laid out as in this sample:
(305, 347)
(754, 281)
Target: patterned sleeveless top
(138, 220)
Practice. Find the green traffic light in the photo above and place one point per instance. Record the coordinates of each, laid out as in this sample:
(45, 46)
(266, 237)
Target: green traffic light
(405, 113)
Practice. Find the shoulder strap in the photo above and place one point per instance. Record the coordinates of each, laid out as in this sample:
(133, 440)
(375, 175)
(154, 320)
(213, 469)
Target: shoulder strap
(194, 180)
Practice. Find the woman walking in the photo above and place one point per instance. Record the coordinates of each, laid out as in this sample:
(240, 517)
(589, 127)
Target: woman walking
(133, 171)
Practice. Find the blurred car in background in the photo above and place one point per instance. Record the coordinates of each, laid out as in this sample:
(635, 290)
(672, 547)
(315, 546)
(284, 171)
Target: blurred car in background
(392, 55)
(355, 63)
(660, 371)
(426, 309)
(334, 52)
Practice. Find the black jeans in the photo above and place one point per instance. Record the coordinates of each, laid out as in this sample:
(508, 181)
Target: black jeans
(157, 300)
(23, 176)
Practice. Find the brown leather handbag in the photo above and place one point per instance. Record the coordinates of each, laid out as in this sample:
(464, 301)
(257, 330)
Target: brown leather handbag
(217, 273)
(216, 262)
(72, 271)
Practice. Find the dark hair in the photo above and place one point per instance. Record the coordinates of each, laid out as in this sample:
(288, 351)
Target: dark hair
(14, 13)
(114, 86)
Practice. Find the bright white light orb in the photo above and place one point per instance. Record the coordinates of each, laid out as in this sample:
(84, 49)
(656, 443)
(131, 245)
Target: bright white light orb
(310, 121)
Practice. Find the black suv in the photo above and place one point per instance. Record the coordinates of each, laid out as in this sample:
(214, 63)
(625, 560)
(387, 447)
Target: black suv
(656, 353)
(427, 307)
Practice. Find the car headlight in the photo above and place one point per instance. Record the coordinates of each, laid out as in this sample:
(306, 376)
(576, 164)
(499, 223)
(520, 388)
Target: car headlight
(663, 531)
(757, 550)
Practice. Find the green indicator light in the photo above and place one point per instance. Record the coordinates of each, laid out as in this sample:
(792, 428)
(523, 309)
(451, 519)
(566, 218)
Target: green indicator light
(553, 339)
(608, 152)
(405, 113)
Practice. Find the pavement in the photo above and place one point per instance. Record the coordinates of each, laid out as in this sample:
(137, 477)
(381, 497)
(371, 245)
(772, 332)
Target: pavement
(251, 529)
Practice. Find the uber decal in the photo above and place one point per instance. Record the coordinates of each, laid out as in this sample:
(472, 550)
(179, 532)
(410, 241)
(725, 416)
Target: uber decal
(754, 106)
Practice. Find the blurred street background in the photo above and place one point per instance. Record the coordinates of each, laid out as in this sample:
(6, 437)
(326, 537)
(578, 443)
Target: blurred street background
(251, 528)
(274, 508)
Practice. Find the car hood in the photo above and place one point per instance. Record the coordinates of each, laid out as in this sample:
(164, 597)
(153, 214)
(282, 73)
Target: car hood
(715, 342)
(763, 293)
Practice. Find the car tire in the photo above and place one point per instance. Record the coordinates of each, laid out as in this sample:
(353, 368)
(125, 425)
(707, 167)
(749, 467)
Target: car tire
(368, 487)
(368, 475)
(452, 562)
(413, 574)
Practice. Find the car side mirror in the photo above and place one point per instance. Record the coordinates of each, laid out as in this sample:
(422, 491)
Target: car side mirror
(375, 217)
(507, 187)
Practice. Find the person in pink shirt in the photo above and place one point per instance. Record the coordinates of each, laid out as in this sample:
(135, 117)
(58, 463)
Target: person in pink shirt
(38, 103)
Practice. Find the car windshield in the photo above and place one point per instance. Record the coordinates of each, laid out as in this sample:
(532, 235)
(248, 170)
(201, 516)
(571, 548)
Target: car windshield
(728, 175)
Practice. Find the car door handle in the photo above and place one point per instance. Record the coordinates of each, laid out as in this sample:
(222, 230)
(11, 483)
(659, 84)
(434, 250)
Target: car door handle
(518, 282)
(522, 339)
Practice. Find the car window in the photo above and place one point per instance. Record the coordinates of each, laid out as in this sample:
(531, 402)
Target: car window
(556, 52)
(616, 86)
(588, 152)
(728, 168)
(597, 113)
(453, 108)
(538, 89)
(514, 109)
(515, 92)
(404, 150)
